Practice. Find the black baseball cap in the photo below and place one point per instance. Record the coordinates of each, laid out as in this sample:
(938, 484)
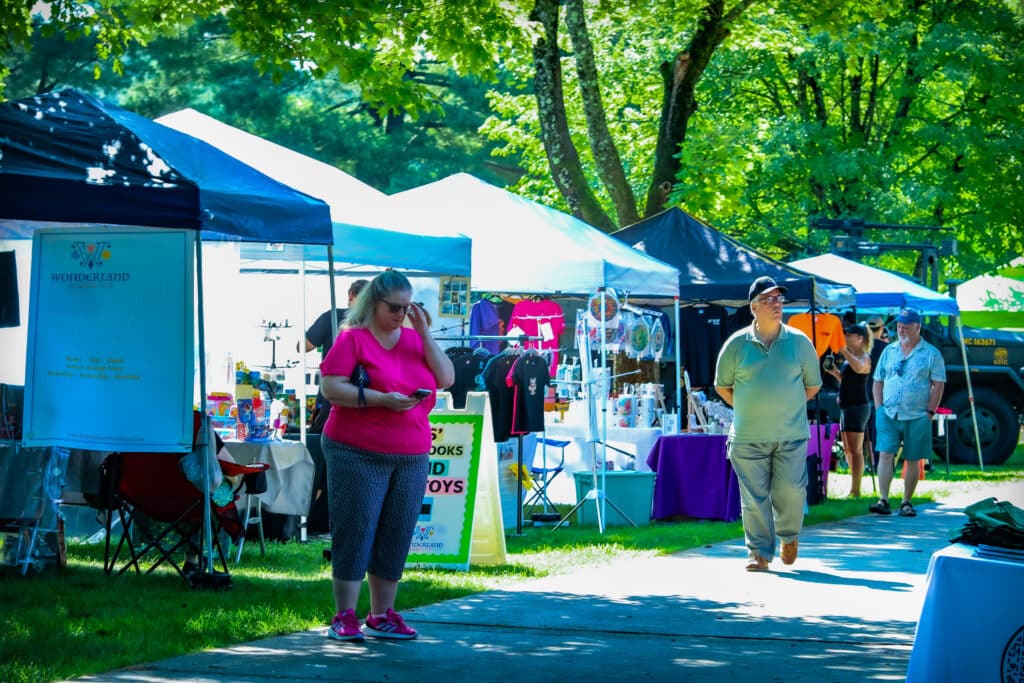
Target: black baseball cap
(761, 285)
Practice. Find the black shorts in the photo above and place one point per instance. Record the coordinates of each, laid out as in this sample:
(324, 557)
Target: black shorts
(854, 418)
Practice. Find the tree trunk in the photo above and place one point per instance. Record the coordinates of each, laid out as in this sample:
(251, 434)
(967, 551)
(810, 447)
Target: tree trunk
(680, 78)
(602, 146)
(563, 158)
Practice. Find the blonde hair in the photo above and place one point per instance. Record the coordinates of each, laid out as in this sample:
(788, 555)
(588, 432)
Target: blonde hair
(377, 289)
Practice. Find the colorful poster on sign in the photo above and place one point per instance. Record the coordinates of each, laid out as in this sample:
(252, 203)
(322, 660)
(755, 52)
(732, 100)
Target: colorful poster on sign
(445, 526)
(454, 297)
(110, 340)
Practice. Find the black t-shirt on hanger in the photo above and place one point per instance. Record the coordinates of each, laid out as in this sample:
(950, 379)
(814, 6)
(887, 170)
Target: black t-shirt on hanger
(702, 331)
(530, 378)
(502, 396)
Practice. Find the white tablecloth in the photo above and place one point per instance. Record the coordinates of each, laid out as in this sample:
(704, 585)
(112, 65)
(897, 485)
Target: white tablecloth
(289, 479)
(972, 622)
(635, 440)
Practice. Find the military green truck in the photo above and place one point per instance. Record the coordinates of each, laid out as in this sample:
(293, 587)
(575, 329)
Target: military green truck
(995, 360)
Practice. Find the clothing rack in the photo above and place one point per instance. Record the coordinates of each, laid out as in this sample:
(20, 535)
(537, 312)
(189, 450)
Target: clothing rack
(491, 337)
(626, 306)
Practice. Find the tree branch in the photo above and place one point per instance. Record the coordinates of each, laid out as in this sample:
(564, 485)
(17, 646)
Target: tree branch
(563, 158)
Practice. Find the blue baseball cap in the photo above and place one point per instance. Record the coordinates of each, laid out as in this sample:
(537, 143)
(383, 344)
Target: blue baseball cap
(908, 317)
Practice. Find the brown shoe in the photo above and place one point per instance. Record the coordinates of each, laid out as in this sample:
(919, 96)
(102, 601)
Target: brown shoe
(757, 564)
(789, 552)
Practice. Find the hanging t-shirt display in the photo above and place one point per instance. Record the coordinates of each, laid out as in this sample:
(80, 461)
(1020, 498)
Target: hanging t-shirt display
(469, 367)
(542, 319)
(484, 320)
(529, 378)
(702, 331)
(502, 396)
(828, 331)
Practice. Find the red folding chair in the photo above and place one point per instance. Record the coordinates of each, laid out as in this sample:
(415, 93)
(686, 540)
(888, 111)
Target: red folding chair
(161, 512)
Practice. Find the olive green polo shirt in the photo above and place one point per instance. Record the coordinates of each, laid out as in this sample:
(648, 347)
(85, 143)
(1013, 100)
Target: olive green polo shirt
(769, 399)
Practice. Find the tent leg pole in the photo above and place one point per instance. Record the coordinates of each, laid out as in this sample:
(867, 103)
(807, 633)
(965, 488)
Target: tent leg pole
(202, 438)
(970, 394)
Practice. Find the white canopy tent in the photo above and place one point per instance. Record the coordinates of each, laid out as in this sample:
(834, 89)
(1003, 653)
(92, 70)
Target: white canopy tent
(521, 246)
(365, 234)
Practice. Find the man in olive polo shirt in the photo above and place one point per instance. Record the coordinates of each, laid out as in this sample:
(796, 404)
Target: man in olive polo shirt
(767, 372)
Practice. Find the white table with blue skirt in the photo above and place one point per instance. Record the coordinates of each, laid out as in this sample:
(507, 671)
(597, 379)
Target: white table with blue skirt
(972, 623)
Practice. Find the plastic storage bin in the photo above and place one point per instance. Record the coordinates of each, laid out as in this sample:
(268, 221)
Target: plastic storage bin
(632, 492)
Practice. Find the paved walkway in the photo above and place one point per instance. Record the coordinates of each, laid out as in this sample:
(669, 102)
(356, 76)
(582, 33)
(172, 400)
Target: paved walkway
(846, 611)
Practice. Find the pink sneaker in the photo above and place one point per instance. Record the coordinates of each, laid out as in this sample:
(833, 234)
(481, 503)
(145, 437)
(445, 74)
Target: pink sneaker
(391, 626)
(345, 626)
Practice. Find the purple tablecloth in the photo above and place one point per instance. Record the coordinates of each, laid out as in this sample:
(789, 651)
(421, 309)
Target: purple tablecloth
(694, 478)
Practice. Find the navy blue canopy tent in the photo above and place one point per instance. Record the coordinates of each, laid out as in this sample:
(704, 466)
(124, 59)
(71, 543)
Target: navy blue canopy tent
(70, 158)
(715, 268)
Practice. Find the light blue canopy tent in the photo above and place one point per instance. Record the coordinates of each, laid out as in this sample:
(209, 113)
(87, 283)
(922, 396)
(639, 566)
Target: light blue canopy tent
(878, 288)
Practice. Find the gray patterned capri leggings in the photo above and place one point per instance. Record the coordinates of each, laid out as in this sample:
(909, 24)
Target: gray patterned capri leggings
(374, 501)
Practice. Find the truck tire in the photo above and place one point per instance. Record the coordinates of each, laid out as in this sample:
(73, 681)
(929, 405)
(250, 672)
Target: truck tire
(998, 429)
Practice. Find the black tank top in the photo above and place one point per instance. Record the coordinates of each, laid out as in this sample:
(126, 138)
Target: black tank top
(853, 390)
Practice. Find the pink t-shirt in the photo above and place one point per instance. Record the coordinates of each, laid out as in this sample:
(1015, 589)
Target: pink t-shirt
(404, 369)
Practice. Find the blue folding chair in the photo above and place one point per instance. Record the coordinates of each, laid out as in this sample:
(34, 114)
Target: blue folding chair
(544, 474)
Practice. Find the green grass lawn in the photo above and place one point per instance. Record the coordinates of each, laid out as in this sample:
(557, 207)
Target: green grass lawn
(77, 620)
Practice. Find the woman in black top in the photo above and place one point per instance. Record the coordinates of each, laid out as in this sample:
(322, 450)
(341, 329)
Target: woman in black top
(853, 399)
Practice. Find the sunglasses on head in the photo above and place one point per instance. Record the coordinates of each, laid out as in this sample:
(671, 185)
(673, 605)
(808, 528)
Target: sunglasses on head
(900, 367)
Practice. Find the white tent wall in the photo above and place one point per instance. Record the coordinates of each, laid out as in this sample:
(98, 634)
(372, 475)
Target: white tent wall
(14, 340)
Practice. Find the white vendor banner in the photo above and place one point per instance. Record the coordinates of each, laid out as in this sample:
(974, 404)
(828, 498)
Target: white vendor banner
(110, 339)
(444, 530)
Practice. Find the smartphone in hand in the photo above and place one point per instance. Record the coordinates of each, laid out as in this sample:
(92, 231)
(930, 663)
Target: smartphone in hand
(421, 393)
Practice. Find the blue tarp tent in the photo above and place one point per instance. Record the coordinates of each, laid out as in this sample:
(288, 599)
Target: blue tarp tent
(879, 288)
(715, 268)
(363, 232)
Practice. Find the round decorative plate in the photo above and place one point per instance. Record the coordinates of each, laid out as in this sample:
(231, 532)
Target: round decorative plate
(657, 338)
(639, 335)
(611, 306)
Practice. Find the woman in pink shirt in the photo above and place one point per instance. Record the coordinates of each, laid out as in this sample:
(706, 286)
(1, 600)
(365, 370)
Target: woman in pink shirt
(377, 445)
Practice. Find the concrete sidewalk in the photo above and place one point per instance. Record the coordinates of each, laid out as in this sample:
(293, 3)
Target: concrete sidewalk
(846, 611)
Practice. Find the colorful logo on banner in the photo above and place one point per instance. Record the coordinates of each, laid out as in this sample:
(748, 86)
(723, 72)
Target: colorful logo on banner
(90, 255)
(445, 524)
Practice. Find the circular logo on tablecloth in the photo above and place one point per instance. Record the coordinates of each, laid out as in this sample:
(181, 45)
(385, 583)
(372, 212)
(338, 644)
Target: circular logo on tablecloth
(1012, 670)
